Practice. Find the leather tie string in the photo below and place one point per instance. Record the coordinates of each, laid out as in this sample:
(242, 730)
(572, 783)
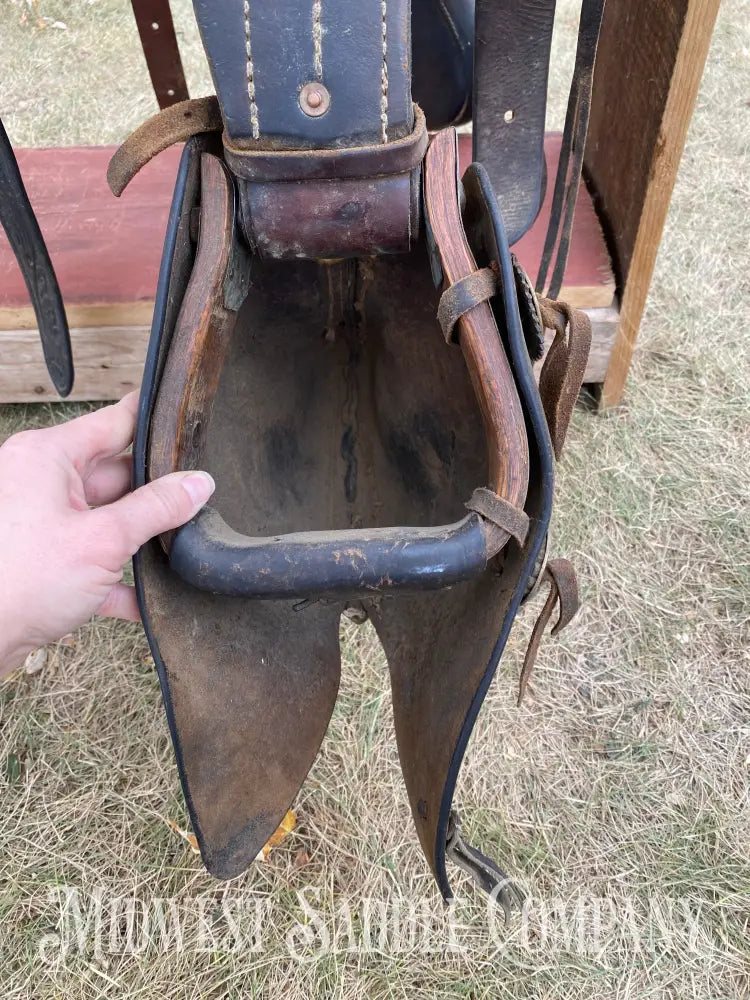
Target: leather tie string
(564, 367)
(563, 591)
(500, 512)
(463, 295)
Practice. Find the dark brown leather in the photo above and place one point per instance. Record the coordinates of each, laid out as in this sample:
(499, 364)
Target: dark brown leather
(332, 202)
(563, 593)
(175, 124)
(338, 406)
(376, 425)
(266, 165)
(564, 367)
(156, 30)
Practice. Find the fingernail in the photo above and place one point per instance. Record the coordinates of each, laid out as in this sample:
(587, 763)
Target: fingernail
(200, 486)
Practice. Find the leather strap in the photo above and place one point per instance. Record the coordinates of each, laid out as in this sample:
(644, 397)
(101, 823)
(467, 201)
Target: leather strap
(267, 165)
(487, 875)
(564, 367)
(262, 54)
(511, 66)
(25, 237)
(175, 124)
(570, 165)
(156, 28)
(462, 296)
(563, 591)
(500, 512)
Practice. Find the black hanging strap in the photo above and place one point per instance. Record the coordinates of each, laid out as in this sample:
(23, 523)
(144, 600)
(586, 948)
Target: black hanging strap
(26, 240)
(568, 179)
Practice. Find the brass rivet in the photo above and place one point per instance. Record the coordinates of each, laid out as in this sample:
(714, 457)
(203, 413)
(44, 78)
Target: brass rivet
(314, 99)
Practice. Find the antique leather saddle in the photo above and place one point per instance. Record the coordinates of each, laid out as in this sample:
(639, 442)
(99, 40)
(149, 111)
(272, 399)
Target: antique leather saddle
(344, 339)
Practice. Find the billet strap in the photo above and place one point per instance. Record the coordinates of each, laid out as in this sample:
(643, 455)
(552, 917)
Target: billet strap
(564, 367)
(25, 238)
(511, 65)
(563, 591)
(570, 166)
(156, 29)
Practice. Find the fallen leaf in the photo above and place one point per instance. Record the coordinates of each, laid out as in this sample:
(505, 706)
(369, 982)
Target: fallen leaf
(190, 838)
(286, 826)
(36, 662)
(301, 859)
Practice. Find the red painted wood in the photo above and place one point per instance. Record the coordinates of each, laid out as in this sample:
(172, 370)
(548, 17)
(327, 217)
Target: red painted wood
(104, 249)
(107, 250)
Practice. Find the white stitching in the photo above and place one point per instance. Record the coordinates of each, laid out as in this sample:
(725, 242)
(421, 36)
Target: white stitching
(384, 78)
(317, 34)
(250, 73)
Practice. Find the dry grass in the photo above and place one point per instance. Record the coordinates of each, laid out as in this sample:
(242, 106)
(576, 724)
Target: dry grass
(625, 774)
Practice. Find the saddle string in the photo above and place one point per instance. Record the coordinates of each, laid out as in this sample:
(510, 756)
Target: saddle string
(563, 592)
(570, 166)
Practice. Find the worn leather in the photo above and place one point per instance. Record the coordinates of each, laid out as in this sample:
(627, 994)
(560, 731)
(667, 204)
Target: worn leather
(339, 404)
(356, 41)
(511, 67)
(25, 238)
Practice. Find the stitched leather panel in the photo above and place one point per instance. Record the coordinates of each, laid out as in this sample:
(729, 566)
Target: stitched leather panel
(261, 55)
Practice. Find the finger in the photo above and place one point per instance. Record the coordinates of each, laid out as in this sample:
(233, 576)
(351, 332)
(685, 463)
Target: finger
(109, 480)
(120, 602)
(159, 506)
(97, 435)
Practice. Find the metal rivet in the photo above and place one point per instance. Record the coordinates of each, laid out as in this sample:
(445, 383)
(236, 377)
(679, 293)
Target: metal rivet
(314, 99)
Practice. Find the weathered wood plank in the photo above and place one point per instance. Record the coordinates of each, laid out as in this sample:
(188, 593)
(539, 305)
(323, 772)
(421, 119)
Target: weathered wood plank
(650, 63)
(109, 363)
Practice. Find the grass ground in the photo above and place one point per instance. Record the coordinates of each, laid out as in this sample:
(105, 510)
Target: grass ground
(620, 788)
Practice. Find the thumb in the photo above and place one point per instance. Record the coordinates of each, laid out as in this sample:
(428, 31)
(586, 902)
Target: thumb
(158, 506)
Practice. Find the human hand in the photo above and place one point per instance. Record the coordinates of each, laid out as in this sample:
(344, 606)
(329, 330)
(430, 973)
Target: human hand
(61, 560)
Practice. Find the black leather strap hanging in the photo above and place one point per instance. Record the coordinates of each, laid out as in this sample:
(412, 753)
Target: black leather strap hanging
(570, 166)
(26, 240)
(511, 66)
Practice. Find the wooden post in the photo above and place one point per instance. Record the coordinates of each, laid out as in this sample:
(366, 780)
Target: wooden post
(651, 59)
